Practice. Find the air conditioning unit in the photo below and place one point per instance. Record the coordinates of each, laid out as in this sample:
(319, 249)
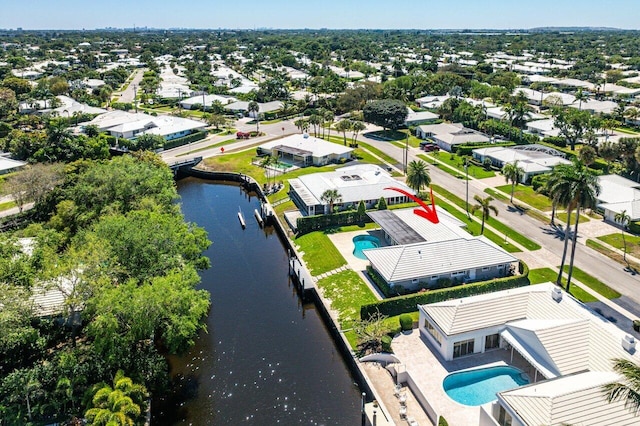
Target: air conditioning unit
(556, 294)
(629, 343)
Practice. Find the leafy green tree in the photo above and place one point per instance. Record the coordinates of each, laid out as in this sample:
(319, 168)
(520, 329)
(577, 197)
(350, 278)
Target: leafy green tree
(609, 151)
(513, 173)
(8, 102)
(572, 124)
(485, 208)
(20, 86)
(418, 176)
(331, 196)
(382, 204)
(588, 155)
(386, 113)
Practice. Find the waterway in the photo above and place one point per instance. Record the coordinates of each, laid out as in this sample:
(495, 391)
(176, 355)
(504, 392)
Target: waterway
(267, 358)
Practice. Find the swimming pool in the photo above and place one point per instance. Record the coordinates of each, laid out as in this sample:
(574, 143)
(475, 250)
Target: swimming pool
(363, 242)
(477, 387)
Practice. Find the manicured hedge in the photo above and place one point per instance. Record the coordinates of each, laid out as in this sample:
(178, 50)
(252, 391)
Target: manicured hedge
(405, 304)
(193, 137)
(466, 149)
(319, 222)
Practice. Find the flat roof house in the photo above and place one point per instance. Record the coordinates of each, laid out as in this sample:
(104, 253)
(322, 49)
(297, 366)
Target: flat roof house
(303, 150)
(533, 159)
(362, 182)
(128, 125)
(569, 350)
(446, 135)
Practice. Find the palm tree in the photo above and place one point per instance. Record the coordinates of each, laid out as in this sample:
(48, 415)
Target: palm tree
(580, 97)
(121, 405)
(587, 155)
(267, 161)
(315, 120)
(344, 126)
(632, 114)
(418, 175)
(628, 389)
(331, 196)
(574, 186)
(255, 109)
(513, 173)
(328, 117)
(484, 205)
(623, 219)
(356, 128)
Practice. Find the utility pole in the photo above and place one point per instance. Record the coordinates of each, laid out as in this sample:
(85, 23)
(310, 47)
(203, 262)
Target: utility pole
(466, 171)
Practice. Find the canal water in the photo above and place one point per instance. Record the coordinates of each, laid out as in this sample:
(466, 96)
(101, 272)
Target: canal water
(267, 358)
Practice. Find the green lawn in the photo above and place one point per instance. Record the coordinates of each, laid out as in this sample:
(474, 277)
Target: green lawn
(615, 240)
(452, 172)
(627, 130)
(494, 222)
(221, 143)
(7, 205)
(593, 283)
(528, 195)
(352, 228)
(458, 163)
(542, 275)
(610, 254)
(563, 217)
(347, 292)
(320, 254)
(473, 227)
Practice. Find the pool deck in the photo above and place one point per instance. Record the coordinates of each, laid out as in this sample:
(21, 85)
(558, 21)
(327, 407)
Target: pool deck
(428, 370)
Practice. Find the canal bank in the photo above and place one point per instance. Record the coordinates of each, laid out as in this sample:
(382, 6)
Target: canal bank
(268, 357)
(305, 285)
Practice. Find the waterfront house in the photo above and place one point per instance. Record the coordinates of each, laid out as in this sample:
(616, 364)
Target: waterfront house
(363, 182)
(303, 150)
(568, 349)
(422, 253)
(128, 125)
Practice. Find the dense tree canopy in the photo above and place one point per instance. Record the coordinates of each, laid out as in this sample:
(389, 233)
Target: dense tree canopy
(386, 113)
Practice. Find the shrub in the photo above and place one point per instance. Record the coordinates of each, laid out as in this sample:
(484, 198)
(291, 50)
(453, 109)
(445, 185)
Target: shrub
(185, 140)
(442, 421)
(634, 227)
(386, 343)
(555, 140)
(382, 204)
(320, 222)
(403, 304)
(406, 322)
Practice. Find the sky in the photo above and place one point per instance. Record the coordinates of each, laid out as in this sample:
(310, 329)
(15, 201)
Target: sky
(334, 14)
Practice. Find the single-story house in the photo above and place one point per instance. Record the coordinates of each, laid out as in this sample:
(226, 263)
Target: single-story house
(243, 107)
(206, 101)
(595, 106)
(303, 150)
(568, 347)
(362, 182)
(533, 159)
(447, 135)
(8, 165)
(618, 194)
(423, 252)
(431, 102)
(122, 124)
(417, 117)
(543, 127)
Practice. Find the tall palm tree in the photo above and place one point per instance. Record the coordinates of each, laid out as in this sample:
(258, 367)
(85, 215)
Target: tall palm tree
(580, 97)
(628, 389)
(267, 161)
(356, 128)
(513, 173)
(328, 117)
(485, 207)
(632, 114)
(331, 196)
(574, 186)
(344, 126)
(418, 175)
(623, 219)
(254, 108)
(315, 120)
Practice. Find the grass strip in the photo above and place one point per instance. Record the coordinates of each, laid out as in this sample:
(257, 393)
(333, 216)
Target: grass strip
(347, 292)
(495, 223)
(593, 283)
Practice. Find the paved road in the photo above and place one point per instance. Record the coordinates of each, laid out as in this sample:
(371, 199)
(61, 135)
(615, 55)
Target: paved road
(551, 239)
(129, 94)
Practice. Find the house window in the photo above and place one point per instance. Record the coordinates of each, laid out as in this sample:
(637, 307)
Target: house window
(415, 281)
(433, 332)
(486, 268)
(463, 348)
(491, 341)
(434, 277)
(504, 418)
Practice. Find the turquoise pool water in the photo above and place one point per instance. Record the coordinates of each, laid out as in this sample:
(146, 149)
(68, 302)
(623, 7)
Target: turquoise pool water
(363, 242)
(477, 387)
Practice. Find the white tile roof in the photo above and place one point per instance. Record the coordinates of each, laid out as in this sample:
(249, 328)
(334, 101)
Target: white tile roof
(407, 262)
(370, 185)
(318, 147)
(576, 400)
